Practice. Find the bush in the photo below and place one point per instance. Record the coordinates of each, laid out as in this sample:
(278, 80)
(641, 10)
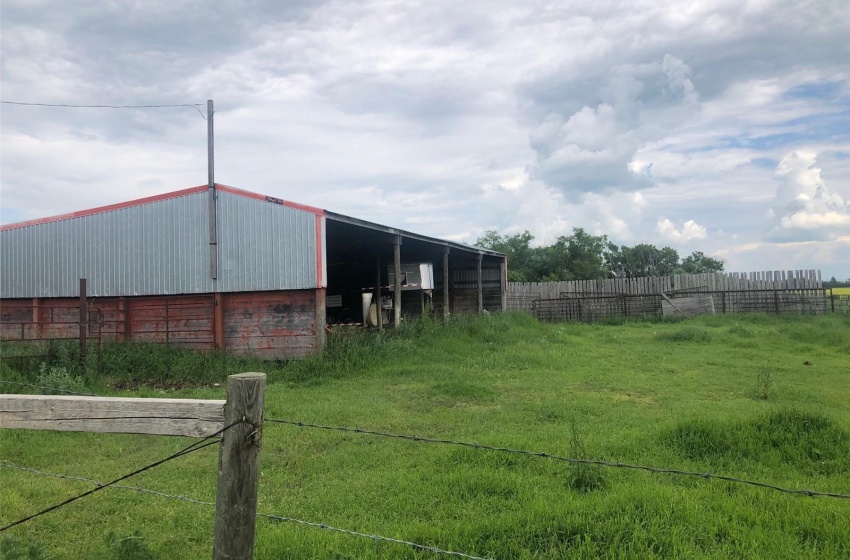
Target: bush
(58, 380)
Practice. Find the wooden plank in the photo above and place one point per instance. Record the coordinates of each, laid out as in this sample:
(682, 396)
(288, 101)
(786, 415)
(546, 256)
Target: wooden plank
(689, 306)
(670, 301)
(167, 417)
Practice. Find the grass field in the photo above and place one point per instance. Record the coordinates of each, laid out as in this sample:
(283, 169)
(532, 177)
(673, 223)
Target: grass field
(756, 397)
(841, 291)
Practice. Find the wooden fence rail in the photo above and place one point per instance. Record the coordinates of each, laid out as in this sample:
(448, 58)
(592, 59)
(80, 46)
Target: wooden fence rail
(239, 420)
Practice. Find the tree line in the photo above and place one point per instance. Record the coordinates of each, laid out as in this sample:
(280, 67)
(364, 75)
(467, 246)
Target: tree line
(582, 256)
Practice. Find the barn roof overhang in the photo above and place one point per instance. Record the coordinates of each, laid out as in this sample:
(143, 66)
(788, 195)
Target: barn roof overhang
(372, 232)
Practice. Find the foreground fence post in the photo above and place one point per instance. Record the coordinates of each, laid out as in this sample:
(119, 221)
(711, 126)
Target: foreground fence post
(239, 468)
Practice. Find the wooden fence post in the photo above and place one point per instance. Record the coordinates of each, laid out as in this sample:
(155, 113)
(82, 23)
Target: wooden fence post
(239, 468)
(84, 320)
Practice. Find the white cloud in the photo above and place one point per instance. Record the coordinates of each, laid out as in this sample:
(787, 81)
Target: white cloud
(689, 231)
(803, 205)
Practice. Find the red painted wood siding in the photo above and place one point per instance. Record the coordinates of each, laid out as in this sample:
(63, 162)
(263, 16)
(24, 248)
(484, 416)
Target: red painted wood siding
(271, 324)
(281, 324)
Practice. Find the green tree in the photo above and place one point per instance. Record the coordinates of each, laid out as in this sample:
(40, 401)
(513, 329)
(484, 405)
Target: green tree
(698, 262)
(521, 255)
(578, 256)
(642, 260)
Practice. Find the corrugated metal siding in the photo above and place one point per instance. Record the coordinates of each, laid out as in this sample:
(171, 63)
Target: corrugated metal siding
(264, 246)
(162, 248)
(156, 248)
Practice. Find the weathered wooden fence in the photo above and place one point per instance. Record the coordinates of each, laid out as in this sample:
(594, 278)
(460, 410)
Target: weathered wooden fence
(780, 292)
(520, 294)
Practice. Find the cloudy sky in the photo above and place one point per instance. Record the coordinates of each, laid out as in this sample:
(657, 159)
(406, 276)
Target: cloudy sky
(720, 126)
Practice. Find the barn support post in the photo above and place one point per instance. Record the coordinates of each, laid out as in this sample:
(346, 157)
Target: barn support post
(218, 321)
(397, 284)
(480, 284)
(321, 319)
(503, 277)
(446, 276)
(36, 316)
(124, 318)
(239, 468)
(84, 320)
(380, 311)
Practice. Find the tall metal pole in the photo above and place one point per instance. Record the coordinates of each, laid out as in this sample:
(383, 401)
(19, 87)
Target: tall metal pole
(212, 193)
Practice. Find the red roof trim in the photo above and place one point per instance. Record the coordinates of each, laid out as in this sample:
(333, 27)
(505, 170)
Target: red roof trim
(157, 198)
(107, 208)
(319, 279)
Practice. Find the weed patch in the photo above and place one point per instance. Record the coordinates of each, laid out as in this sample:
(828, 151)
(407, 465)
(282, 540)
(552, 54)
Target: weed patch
(808, 442)
(741, 331)
(765, 384)
(582, 477)
(686, 334)
(459, 392)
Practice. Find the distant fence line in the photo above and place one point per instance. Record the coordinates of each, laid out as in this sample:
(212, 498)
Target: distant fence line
(520, 294)
(591, 307)
(779, 292)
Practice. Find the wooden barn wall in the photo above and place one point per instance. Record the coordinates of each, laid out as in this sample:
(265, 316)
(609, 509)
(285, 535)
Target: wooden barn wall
(271, 324)
(278, 324)
(464, 289)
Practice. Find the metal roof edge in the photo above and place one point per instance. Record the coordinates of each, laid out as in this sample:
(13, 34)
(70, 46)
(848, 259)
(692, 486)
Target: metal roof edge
(106, 208)
(157, 198)
(396, 231)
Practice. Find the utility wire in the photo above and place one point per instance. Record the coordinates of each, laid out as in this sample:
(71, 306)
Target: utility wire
(263, 515)
(47, 388)
(210, 440)
(573, 460)
(195, 106)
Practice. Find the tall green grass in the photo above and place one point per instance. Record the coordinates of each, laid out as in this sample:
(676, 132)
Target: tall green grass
(677, 394)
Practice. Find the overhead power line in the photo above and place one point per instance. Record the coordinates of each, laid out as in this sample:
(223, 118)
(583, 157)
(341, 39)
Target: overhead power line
(195, 106)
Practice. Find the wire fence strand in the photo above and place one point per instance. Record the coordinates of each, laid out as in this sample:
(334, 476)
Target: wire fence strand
(272, 517)
(433, 549)
(48, 388)
(198, 445)
(573, 460)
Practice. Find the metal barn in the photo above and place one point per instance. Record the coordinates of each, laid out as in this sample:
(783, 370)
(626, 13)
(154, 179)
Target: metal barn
(223, 268)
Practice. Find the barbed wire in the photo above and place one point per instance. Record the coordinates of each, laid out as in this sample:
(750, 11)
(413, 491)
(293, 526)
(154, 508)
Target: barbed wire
(63, 391)
(273, 517)
(573, 460)
(198, 445)
(6, 464)
(433, 549)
